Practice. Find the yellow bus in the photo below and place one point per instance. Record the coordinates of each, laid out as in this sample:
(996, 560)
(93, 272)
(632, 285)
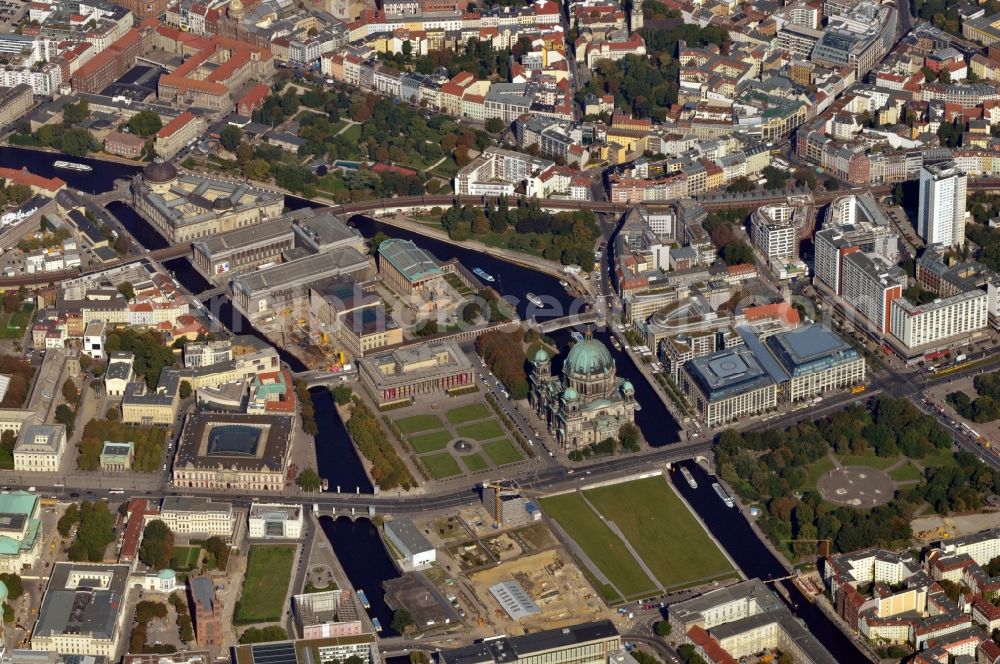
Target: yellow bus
(857, 389)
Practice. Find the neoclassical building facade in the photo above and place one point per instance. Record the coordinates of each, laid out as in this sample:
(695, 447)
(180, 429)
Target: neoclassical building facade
(588, 403)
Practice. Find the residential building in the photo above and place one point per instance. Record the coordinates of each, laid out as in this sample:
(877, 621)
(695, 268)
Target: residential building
(941, 215)
(14, 102)
(950, 320)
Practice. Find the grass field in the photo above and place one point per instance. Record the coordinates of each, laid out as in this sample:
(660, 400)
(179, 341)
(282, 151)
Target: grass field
(481, 430)
(269, 571)
(605, 549)
(868, 460)
(12, 326)
(817, 469)
(429, 442)
(353, 133)
(661, 529)
(502, 452)
(441, 465)
(417, 423)
(938, 458)
(185, 557)
(474, 462)
(906, 473)
(474, 411)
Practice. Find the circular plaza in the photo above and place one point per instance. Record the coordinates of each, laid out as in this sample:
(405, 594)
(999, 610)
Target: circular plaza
(856, 486)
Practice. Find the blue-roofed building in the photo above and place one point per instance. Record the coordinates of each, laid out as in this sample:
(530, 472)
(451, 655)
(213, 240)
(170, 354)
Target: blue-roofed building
(406, 267)
(729, 384)
(20, 530)
(753, 378)
(816, 361)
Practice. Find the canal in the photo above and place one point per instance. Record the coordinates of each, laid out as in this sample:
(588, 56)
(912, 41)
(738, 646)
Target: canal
(365, 562)
(731, 529)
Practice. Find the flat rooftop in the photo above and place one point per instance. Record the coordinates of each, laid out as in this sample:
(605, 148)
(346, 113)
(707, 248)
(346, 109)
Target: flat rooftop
(728, 372)
(503, 649)
(408, 534)
(83, 599)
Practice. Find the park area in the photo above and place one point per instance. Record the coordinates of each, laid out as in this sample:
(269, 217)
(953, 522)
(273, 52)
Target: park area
(671, 548)
(269, 571)
(466, 438)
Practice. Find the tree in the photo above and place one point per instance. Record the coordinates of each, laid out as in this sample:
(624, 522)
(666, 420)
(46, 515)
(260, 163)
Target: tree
(342, 394)
(70, 392)
(774, 177)
(157, 545)
(66, 417)
(741, 184)
(77, 142)
(402, 620)
(628, 437)
(494, 125)
(737, 252)
(75, 113)
(145, 123)
(308, 480)
(69, 518)
(230, 137)
(663, 628)
(127, 290)
(263, 634)
(184, 391)
(15, 587)
(95, 533)
(218, 552)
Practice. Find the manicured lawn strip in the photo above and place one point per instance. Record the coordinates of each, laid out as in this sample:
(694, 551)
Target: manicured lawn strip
(502, 452)
(869, 461)
(269, 571)
(481, 430)
(474, 462)
(605, 549)
(661, 529)
(441, 465)
(907, 472)
(417, 423)
(429, 442)
(185, 557)
(474, 411)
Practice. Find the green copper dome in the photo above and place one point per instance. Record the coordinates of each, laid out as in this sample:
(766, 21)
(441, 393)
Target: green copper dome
(628, 387)
(570, 394)
(541, 356)
(589, 358)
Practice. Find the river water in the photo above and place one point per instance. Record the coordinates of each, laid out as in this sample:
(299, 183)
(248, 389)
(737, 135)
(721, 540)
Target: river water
(357, 543)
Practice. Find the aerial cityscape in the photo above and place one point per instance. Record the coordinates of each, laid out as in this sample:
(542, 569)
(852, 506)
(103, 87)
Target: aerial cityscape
(499, 331)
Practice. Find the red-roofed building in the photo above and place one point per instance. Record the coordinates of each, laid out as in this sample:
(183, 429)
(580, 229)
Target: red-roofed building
(708, 647)
(107, 66)
(177, 133)
(253, 99)
(38, 184)
(135, 517)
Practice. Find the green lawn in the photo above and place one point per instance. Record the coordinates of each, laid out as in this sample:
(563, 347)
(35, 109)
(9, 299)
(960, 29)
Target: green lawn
(185, 557)
(441, 465)
(337, 126)
(13, 326)
(481, 430)
(906, 473)
(661, 529)
(605, 549)
(868, 460)
(502, 452)
(474, 462)
(353, 134)
(429, 442)
(269, 571)
(817, 469)
(417, 423)
(474, 411)
(938, 458)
